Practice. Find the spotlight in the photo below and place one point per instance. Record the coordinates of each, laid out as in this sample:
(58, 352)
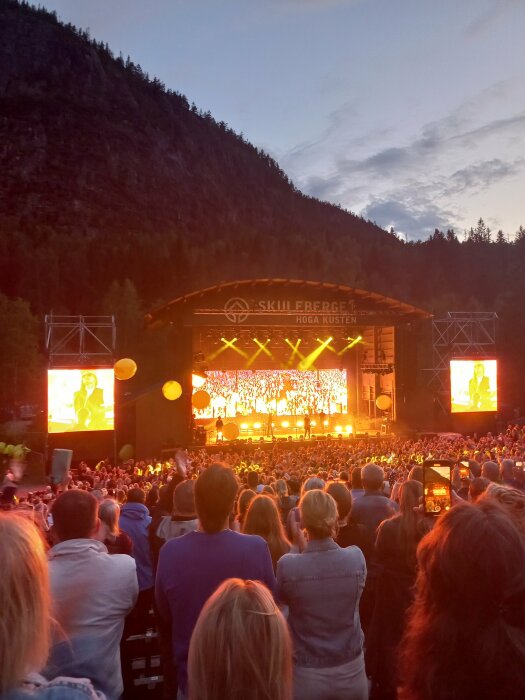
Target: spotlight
(198, 379)
(244, 426)
(285, 424)
(256, 426)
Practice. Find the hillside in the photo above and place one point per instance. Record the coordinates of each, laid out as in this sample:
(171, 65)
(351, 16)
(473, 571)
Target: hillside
(101, 163)
(116, 194)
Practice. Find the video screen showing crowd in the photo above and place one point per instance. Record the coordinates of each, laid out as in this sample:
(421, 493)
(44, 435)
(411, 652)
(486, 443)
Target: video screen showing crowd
(279, 392)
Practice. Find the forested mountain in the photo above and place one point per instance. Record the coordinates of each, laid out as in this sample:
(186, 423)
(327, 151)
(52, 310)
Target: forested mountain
(116, 193)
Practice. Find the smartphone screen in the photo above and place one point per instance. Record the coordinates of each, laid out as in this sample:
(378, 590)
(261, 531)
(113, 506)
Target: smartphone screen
(464, 471)
(436, 487)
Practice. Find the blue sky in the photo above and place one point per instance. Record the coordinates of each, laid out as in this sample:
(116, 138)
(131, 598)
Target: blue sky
(408, 112)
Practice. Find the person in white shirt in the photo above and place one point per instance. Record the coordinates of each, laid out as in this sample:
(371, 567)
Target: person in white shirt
(91, 591)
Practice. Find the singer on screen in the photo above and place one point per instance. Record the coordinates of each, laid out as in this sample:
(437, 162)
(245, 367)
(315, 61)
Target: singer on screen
(479, 390)
(89, 404)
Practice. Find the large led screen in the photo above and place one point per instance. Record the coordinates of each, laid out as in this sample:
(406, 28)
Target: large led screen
(80, 399)
(473, 386)
(281, 392)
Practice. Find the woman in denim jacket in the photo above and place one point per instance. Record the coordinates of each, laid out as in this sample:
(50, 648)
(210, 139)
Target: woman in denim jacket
(322, 587)
(25, 607)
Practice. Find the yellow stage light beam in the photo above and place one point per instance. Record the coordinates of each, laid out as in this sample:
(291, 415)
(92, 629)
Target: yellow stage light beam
(223, 347)
(262, 348)
(308, 361)
(353, 341)
(328, 347)
(231, 344)
(295, 350)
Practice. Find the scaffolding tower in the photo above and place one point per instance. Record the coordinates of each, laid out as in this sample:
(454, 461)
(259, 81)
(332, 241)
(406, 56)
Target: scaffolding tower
(458, 334)
(80, 341)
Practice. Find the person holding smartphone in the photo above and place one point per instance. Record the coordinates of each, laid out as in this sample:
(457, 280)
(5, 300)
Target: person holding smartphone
(465, 632)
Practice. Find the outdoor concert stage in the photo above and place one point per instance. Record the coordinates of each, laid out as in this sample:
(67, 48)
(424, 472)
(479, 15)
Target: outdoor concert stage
(270, 352)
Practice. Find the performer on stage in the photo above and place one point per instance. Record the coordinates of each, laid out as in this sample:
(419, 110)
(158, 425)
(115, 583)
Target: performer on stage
(269, 425)
(218, 427)
(307, 428)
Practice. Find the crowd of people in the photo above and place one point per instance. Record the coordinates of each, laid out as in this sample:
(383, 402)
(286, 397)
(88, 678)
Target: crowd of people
(305, 573)
(288, 392)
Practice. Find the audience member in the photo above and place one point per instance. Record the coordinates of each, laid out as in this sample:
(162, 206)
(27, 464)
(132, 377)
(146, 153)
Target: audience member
(135, 521)
(348, 532)
(465, 637)
(25, 633)
(183, 517)
(91, 594)
(117, 542)
(322, 588)
(263, 519)
(490, 470)
(191, 567)
(395, 555)
(240, 647)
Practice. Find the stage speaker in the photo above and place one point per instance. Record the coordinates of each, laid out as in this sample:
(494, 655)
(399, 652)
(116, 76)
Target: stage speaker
(60, 464)
(200, 436)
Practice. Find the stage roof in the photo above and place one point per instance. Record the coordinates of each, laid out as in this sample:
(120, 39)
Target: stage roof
(284, 302)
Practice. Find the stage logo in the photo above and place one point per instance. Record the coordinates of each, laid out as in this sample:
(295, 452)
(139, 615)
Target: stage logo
(236, 310)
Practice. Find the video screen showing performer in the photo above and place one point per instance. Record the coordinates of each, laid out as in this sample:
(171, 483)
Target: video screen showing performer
(80, 400)
(473, 385)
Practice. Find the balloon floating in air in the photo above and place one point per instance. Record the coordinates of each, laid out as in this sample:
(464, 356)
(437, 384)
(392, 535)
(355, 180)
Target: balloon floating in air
(171, 390)
(201, 399)
(126, 452)
(125, 368)
(384, 402)
(230, 431)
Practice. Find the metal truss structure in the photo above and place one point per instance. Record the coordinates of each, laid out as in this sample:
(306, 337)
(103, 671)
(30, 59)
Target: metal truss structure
(80, 341)
(459, 334)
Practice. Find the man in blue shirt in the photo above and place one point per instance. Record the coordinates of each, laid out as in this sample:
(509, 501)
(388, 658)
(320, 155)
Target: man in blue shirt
(193, 566)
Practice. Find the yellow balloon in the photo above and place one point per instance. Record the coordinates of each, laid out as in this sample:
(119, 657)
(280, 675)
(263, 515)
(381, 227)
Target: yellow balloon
(126, 452)
(384, 402)
(125, 368)
(171, 390)
(201, 399)
(230, 431)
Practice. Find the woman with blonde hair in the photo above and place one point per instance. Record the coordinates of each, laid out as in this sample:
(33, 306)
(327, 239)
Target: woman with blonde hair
(322, 587)
(240, 647)
(116, 541)
(25, 605)
(263, 519)
(512, 500)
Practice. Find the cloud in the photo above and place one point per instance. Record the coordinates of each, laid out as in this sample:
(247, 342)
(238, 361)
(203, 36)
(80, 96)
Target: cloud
(482, 24)
(479, 176)
(415, 220)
